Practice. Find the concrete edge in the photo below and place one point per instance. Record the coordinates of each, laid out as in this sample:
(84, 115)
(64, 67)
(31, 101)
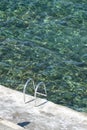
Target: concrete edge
(10, 124)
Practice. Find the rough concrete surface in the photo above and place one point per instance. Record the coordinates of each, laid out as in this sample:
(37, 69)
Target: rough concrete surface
(6, 125)
(44, 116)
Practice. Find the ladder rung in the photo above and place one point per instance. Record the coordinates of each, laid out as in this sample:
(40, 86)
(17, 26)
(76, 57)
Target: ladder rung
(41, 94)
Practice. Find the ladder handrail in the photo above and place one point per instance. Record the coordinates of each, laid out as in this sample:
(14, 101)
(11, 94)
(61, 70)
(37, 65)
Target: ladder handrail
(24, 90)
(35, 89)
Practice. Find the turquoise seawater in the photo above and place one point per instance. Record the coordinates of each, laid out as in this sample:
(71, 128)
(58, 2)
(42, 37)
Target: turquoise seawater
(46, 40)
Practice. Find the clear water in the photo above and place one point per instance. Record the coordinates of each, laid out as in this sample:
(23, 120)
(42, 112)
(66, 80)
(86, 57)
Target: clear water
(47, 41)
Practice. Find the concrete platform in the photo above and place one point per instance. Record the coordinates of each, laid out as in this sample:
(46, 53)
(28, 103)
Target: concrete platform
(45, 116)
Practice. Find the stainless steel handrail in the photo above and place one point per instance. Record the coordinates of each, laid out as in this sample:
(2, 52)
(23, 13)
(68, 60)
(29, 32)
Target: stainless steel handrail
(24, 90)
(35, 89)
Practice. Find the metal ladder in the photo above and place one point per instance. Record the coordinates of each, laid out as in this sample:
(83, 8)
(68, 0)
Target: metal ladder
(35, 87)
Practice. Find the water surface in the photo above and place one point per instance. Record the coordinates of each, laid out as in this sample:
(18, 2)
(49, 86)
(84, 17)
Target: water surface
(47, 41)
